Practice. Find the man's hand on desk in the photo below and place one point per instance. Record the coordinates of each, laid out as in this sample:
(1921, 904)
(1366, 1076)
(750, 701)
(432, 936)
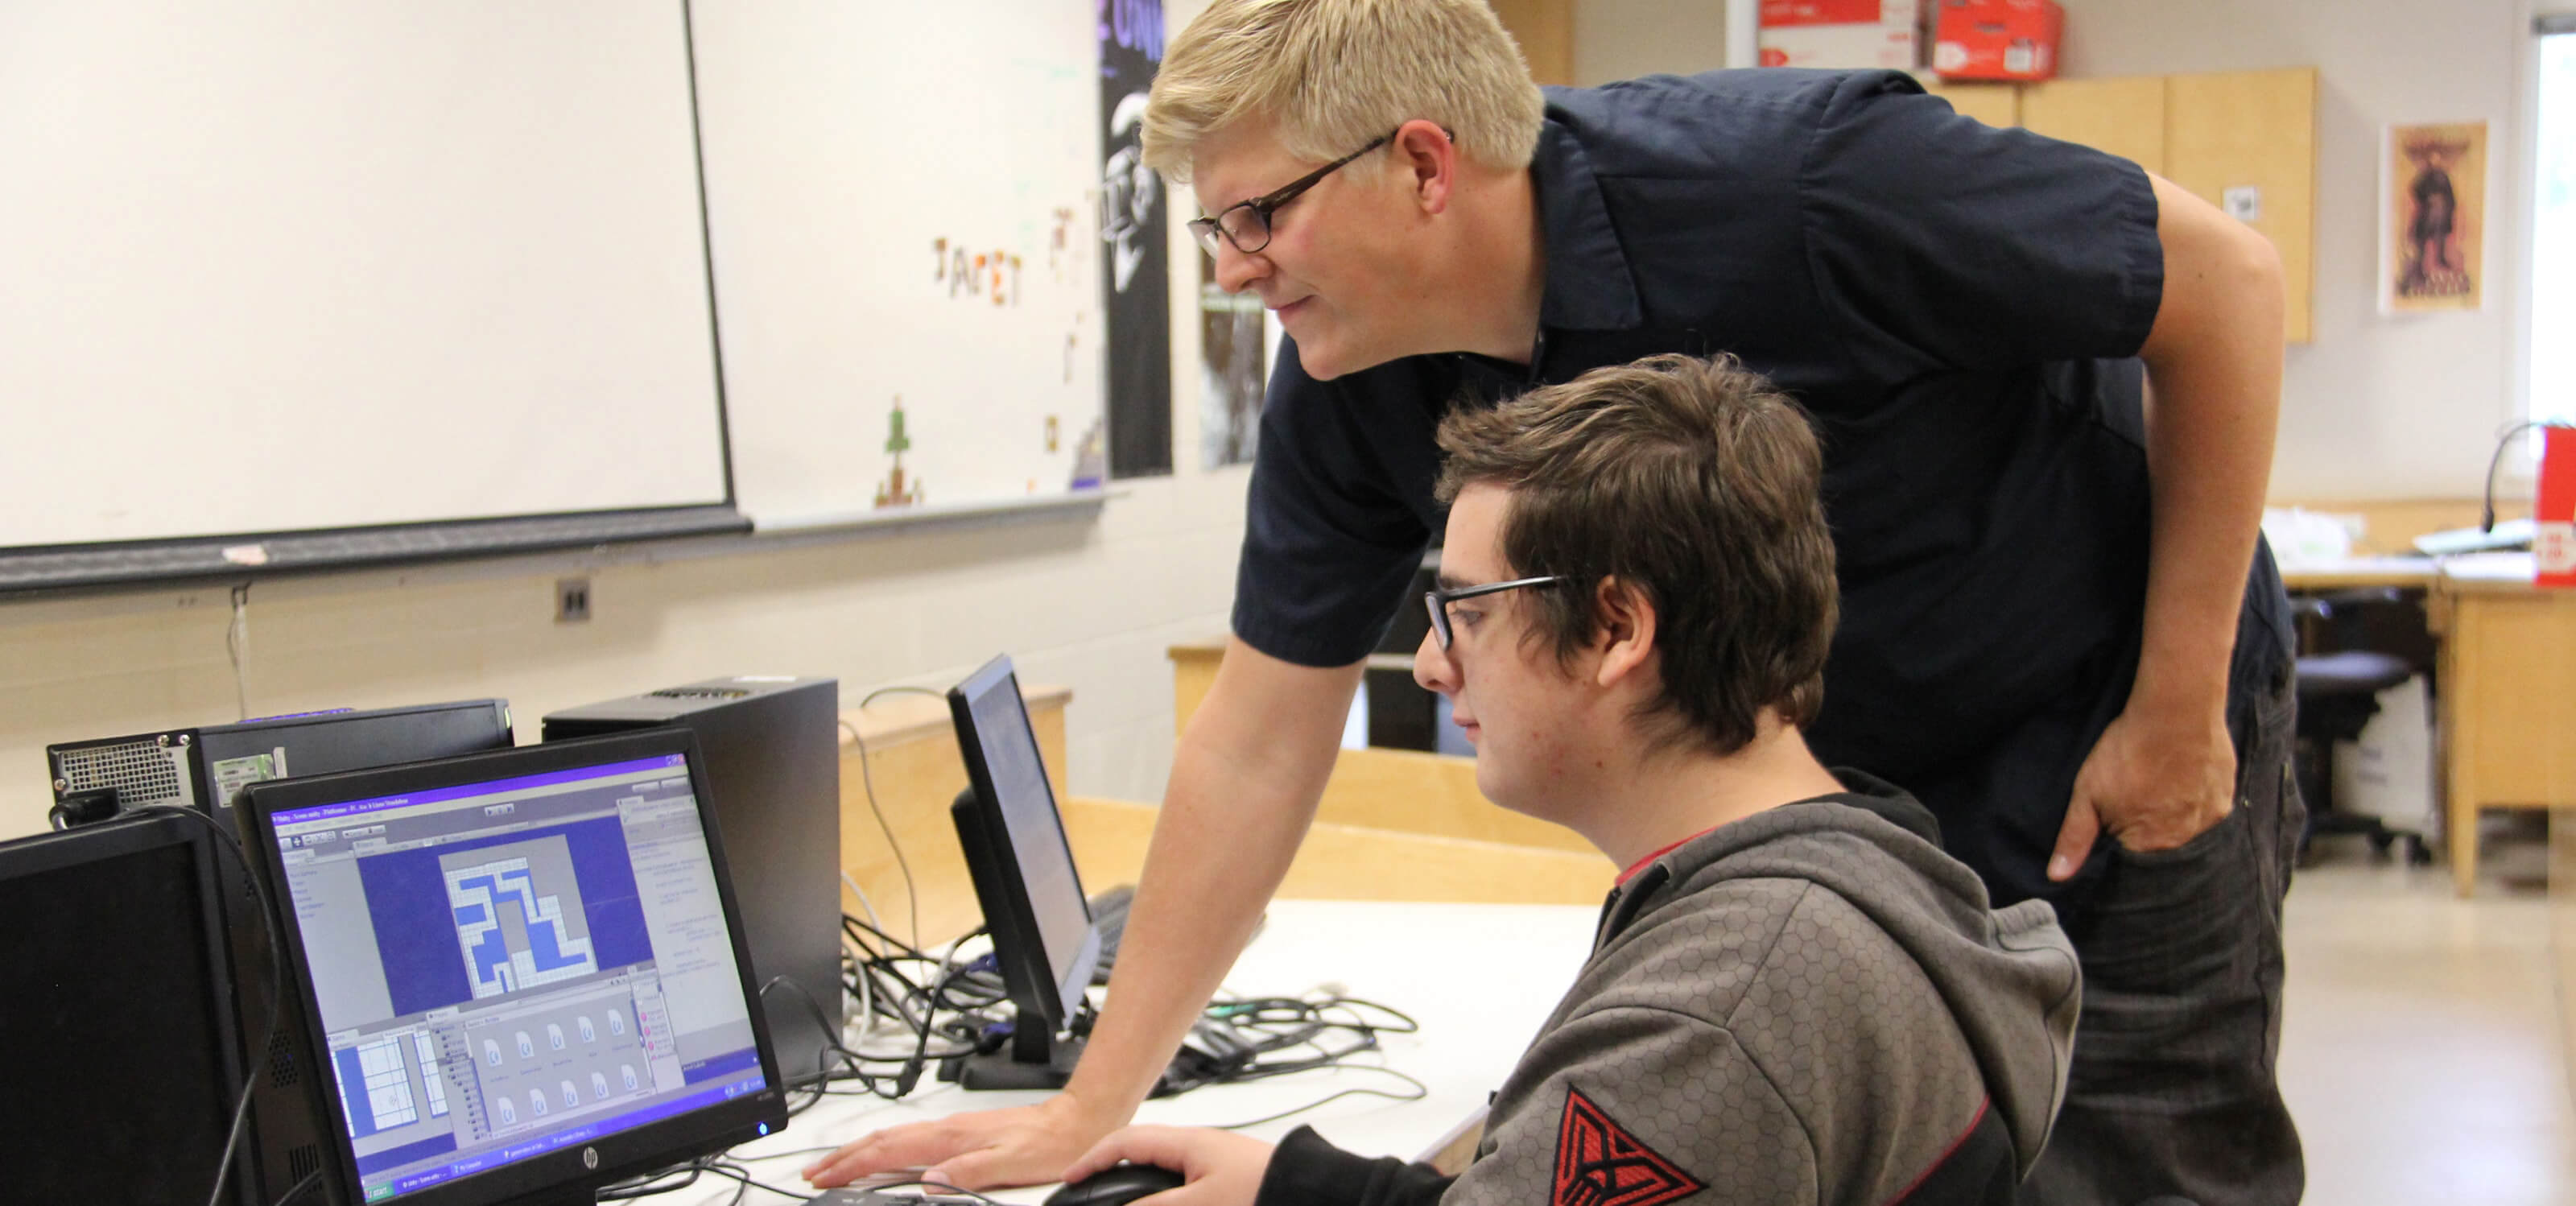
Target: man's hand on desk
(1224, 1169)
(1023, 1145)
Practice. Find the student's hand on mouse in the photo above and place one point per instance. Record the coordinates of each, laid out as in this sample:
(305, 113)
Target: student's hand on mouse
(1024, 1145)
(2155, 781)
(1224, 1168)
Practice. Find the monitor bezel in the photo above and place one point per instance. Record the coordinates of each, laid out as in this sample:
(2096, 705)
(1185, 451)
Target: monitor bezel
(1019, 946)
(143, 832)
(620, 1155)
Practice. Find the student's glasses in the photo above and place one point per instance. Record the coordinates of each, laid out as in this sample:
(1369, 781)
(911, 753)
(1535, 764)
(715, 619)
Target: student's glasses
(1246, 224)
(1438, 601)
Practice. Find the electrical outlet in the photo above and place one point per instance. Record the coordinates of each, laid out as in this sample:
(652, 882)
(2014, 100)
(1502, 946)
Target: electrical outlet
(572, 600)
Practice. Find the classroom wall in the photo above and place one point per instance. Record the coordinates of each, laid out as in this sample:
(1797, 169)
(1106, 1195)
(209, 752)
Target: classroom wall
(1624, 39)
(2376, 407)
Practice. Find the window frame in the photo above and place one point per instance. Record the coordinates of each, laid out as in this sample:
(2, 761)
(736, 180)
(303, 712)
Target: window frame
(2544, 19)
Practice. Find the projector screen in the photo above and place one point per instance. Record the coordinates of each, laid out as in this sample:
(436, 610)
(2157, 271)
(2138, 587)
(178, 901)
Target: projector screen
(277, 265)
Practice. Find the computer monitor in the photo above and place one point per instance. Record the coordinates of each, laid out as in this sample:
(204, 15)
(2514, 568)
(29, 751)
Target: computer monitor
(1024, 877)
(116, 1011)
(525, 969)
(205, 768)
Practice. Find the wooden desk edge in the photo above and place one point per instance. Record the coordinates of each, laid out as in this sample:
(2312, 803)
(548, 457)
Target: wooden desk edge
(1212, 649)
(907, 717)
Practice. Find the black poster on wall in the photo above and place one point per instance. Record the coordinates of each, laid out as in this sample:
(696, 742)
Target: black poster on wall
(1136, 282)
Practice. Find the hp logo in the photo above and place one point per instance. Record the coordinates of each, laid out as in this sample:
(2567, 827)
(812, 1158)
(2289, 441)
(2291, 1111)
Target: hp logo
(590, 1158)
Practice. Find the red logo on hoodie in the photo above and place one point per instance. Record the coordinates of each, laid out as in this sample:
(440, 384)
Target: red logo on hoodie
(1598, 1163)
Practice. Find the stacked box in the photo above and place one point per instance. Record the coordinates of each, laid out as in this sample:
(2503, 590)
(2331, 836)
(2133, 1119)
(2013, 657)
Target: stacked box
(1842, 33)
(1997, 39)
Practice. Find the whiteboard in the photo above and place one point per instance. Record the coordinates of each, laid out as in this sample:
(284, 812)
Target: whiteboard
(297, 265)
(859, 155)
(293, 264)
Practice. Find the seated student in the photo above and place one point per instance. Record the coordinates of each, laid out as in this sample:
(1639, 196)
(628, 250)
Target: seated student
(1794, 995)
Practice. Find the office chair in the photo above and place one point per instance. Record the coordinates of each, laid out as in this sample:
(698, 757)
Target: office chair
(2338, 694)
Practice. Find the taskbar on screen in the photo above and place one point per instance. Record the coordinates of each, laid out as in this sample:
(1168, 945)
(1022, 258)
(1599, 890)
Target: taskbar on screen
(380, 1189)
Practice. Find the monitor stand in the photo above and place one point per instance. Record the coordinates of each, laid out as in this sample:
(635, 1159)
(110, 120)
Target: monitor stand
(1045, 1061)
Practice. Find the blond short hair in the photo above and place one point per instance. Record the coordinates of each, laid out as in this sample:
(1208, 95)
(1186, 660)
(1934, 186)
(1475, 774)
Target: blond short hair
(1329, 75)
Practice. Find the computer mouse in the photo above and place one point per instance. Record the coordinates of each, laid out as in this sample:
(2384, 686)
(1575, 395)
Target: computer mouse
(1117, 1185)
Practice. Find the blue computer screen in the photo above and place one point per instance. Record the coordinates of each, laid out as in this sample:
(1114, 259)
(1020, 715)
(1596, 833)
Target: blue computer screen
(510, 967)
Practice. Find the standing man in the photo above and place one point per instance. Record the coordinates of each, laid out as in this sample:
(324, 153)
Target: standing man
(2012, 347)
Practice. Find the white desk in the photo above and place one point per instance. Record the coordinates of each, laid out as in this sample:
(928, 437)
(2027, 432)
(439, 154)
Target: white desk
(1480, 978)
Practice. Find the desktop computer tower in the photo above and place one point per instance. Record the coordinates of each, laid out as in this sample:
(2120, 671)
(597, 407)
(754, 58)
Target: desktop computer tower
(204, 768)
(773, 764)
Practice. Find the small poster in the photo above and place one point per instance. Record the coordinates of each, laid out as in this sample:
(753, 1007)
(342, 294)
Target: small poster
(1137, 289)
(2434, 193)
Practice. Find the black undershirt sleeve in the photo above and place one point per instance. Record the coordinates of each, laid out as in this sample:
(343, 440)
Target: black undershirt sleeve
(1307, 1171)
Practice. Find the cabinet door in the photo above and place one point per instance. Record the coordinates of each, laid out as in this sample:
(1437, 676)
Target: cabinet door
(2123, 115)
(2254, 134)
(1545, 30)
(1993, 104)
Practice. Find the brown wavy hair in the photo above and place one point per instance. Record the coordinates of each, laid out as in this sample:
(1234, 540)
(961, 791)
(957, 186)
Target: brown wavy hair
(1693, 481)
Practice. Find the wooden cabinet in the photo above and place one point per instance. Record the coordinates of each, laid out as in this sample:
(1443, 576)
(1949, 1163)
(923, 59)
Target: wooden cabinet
(2508, 704)
(2125, 116)
(2245, 141)
(2253, 135)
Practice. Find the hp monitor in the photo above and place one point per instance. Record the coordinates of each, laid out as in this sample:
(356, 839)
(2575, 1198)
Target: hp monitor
(524, 970)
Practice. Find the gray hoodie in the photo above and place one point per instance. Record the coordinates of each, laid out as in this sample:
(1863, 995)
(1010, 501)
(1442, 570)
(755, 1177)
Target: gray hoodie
(1811, 1005)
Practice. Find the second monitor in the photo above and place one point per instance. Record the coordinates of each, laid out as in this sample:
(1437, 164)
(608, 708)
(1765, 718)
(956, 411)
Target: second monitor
(1016, 852)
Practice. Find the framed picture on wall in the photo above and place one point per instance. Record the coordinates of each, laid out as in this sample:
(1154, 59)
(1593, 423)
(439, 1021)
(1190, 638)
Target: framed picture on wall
(2433, 192)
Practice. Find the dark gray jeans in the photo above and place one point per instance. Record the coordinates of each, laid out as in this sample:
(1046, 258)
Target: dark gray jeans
(2172, 1092)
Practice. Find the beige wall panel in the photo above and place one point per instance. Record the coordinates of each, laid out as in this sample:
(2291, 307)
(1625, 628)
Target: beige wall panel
(1405, 790)
(2254, 129)
(1193, 672)
(1436, 794)
(1545, 30)
(1353, 862)
(2124, 116)
(1994, 104)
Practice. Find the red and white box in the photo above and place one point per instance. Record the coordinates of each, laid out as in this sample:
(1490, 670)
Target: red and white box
(1997, 39)
(1842, 33)
(2554, 511)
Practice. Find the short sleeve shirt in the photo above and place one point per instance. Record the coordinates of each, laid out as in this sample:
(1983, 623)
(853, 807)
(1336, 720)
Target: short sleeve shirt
(1955, 305)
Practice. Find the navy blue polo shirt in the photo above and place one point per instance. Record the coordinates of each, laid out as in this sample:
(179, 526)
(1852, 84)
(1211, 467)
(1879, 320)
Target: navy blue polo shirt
(1956, 306)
